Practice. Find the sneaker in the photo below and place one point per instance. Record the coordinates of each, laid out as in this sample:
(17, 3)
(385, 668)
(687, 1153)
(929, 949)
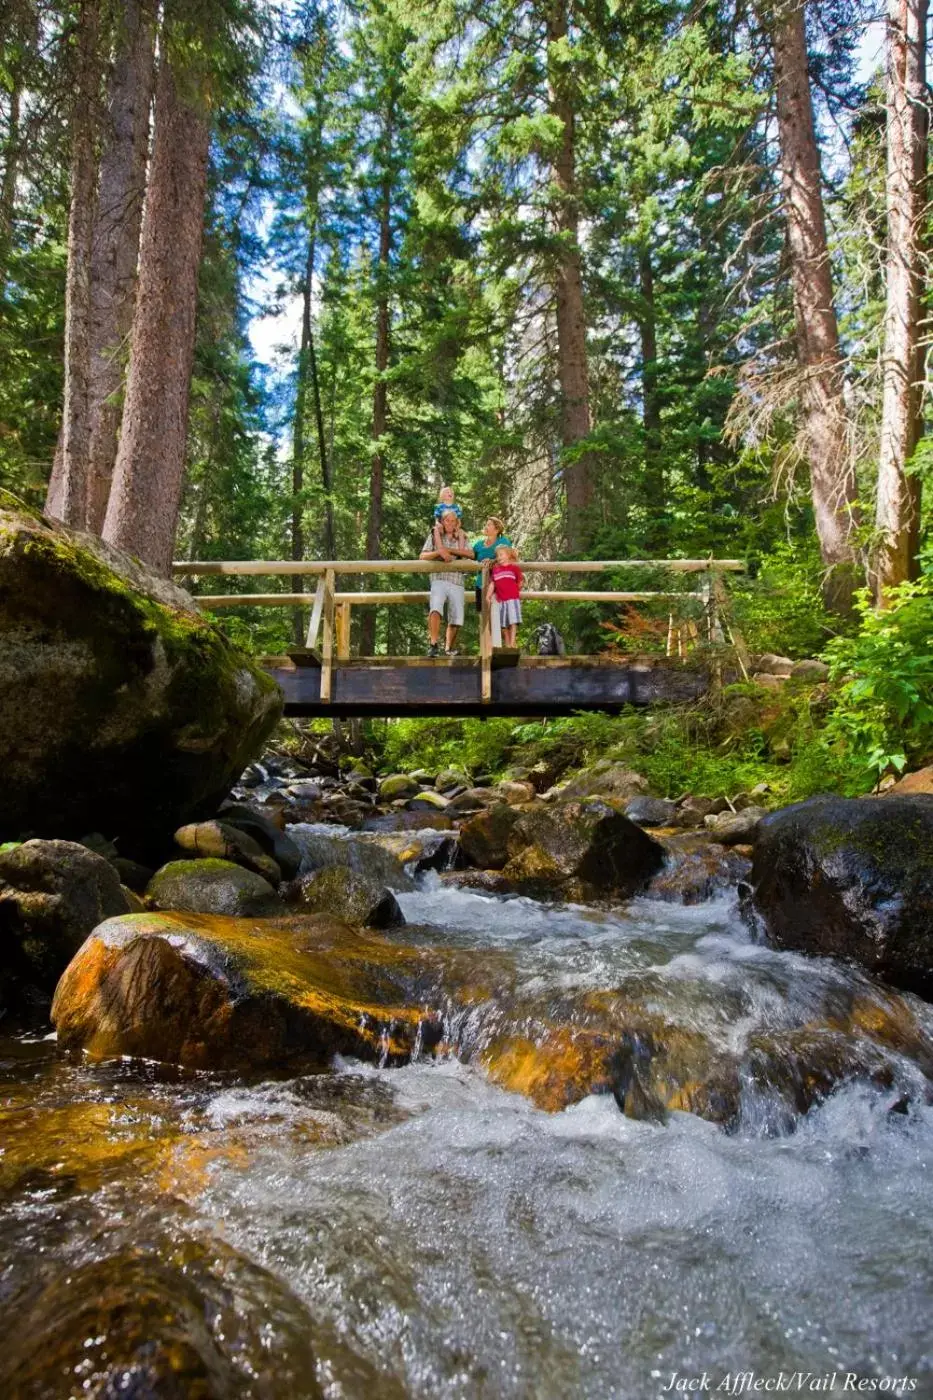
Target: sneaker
(434, 649)
(451, 651)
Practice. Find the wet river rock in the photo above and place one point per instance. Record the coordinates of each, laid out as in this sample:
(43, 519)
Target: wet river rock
(851, 878)
(571, 850)
(210, 886)
(216, 993)
(241, 994)
(122, 708)
(349, 895)
(52, 894)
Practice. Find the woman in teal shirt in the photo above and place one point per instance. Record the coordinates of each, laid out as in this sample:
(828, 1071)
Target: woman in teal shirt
(493, 536)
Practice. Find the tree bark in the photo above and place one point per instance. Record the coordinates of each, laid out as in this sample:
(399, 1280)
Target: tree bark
(380, 388)
(572, 368)
(832, 475)
(148, 477)
(76, 415)
(298, 435)
(651, 405)
(897, 517)
(124, 155)
(11, 158)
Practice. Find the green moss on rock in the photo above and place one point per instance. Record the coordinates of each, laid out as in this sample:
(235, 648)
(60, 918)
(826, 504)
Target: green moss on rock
(123, 709)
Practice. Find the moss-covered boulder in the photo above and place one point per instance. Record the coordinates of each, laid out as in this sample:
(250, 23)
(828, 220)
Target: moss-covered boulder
(212, 887)
(851, 878)
(52, 894)
(213, 993)
(122, 709)
(397, 785)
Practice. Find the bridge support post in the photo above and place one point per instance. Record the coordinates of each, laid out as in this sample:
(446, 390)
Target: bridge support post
(485, 641)
(343, 631)
(315, 624)
(327, 650)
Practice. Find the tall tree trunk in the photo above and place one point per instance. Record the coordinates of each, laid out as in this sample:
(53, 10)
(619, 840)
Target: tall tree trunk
(380, 388)
(897, 516)
(330, 534)
(298, 435)
(124, 154)
(148, 477)
(832, 476)
(76, 411)
(572, 370)
(651, 405)
(11, 160)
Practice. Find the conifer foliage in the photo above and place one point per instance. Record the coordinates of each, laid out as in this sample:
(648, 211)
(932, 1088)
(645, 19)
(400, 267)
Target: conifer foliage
(644, 277)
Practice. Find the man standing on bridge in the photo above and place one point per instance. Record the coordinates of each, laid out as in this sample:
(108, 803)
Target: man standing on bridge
(446, 588)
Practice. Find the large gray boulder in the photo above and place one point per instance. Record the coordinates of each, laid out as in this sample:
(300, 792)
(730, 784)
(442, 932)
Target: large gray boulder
(851, 878)
(52, 894)
(122, 709)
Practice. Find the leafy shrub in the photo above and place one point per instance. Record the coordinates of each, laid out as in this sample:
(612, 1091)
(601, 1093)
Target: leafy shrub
(781, 609)
(883, 715)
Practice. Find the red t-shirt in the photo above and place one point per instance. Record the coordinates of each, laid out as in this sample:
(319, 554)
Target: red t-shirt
(507, 582)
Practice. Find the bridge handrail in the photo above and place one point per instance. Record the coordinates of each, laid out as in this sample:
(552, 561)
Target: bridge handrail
(331, 611)
(319, 567)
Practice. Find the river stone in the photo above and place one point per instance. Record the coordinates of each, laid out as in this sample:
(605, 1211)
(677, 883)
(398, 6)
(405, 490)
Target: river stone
(484, 838)
(604, 779)
(348, 895)
(220, 993)
(452, 780)
(473, 800)
(735, 828)
(578, 850)
(270, 837)
(397, 785)
(696, 870)
(123, 708)
(52, 894)
(810, 669)
(770, 664)
(912, 783)
(151, 1320)
(852, 878)
(211, 887)
(516, 793)
(220, 841)
(651, 811)
(429, 801)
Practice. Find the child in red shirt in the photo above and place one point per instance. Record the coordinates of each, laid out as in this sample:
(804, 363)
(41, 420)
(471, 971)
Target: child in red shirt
(505, 592)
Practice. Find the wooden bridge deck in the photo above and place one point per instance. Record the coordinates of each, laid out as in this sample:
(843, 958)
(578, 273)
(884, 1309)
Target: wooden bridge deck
(452, 686)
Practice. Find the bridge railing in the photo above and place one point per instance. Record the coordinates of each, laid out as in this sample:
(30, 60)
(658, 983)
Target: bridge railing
(331, 610)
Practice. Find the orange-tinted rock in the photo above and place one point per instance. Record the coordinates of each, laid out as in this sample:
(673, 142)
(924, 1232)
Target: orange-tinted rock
(210, 992)
(920, 781)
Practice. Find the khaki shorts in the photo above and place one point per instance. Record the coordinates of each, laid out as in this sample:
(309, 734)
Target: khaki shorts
(442, 591)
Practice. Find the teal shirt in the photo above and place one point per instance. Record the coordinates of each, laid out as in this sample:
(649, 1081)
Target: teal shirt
(484, 551)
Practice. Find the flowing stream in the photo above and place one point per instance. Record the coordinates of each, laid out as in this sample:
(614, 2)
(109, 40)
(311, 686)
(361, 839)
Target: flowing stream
(419, 1231)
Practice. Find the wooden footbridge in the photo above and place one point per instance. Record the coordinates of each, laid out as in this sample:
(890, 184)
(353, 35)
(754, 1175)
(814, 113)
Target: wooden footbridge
(325, 680)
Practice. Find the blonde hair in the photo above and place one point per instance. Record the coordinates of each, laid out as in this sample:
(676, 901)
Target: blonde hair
(509, 551)
(444, 488)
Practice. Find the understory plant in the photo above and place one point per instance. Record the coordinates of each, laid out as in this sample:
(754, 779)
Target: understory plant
(883, 713)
